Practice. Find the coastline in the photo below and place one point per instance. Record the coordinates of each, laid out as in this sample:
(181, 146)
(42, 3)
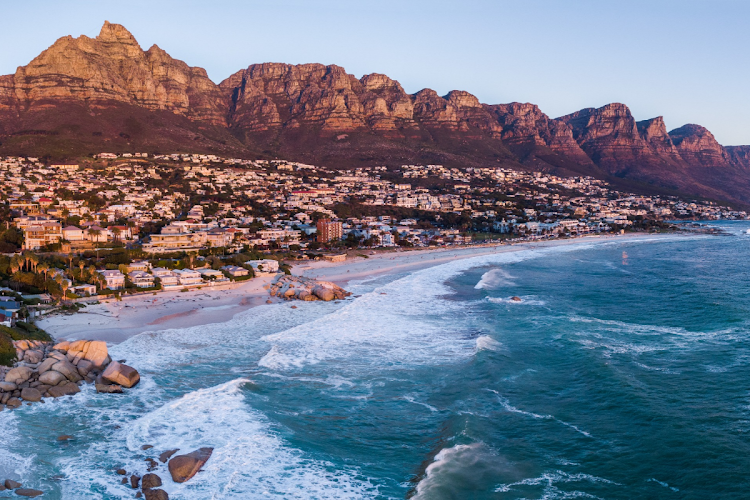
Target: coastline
(116, 321)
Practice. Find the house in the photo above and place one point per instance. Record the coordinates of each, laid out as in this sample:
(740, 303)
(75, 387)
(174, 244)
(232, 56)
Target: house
(168, 277)
(265, 266)
(188, 276)
(37, 236)
(73, 233)
(235, 271)
(114, 278)
(85, 290)
(212, 274)
(141, 265)
(141, 279)
(7, 318)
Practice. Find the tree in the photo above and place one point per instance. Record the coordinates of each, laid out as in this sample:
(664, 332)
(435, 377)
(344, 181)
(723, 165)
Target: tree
(116, 233)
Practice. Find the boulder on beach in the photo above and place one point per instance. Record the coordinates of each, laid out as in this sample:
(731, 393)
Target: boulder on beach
(68, 369)
(28, 492)
(8, 386)
(121, 374)
(31, 394)
(155, 495)
(12, 485)
(97, 354)
(19, 375)
(108, 389)
(183, 467)
(67, 389)
(46, 365)
(150, 481)
(51, 377)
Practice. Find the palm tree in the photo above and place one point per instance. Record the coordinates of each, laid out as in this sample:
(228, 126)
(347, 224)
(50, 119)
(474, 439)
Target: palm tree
(44, 269)
(116, 233)
(34, 260)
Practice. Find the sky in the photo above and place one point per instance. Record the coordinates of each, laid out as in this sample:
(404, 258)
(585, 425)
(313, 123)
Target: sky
(686, 60)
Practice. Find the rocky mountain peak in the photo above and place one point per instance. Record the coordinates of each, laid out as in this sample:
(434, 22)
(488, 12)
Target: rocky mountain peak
(116, 33)
(696, 143)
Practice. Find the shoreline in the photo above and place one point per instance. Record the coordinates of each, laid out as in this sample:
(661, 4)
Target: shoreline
(116, 321)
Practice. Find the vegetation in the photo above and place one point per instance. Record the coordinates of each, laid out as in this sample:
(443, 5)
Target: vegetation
(7, 351)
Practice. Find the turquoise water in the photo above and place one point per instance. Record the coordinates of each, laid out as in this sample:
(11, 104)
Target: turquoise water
(622, 373)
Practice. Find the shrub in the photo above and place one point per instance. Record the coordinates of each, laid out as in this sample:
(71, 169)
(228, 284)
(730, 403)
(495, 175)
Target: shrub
(7, 351)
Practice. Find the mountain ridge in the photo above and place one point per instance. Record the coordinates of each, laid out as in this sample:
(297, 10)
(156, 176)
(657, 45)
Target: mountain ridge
(108, 93)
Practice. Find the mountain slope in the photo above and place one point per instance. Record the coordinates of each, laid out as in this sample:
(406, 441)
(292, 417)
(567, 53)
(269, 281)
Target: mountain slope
(107, 94)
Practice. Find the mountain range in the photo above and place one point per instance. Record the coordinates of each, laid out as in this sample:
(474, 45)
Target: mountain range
(85, 95)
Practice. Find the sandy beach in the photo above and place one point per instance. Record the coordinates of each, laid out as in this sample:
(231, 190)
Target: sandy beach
(115, 321)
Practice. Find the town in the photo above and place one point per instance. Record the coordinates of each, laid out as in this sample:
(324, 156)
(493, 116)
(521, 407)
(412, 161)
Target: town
(116, 223)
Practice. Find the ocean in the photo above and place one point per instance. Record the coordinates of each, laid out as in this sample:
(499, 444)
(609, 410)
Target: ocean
(621, 373)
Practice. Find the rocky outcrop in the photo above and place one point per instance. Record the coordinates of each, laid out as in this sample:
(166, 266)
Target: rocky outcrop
(113, 67)
(296, 287)
(184, 467)
(698, 146)
(47, 370)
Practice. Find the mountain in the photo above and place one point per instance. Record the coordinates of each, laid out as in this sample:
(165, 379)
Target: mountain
(87, 95)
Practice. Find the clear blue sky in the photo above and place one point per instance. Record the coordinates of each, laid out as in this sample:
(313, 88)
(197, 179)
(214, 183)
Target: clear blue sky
(688, 60)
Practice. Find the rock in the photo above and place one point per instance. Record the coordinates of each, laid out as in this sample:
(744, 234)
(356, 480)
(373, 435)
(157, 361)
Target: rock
(97, 354)
(28, 492)
(62, 346)
(155, 495)
(46, 365)
(152, 464)
(323, 293)
(22, 344)
(108, 389)
(183, 467)
(121, 374)
(67, 389)
(8, 386)
(121, 472)
(147, 447)
(68, 369)
(31, 394)
(78, 345)
(12, 485)
(138, 494)
(19, 375)
(516, 299)
(13, 403)
(64, 437)
(58, 355)
(33, 356)
(84, 367)
(134, 481)
(150, 481)
(51, 377)
(124, 481)
(165, 456)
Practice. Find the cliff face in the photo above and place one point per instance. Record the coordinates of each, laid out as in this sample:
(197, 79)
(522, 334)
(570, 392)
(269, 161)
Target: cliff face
(112, 67)
(107, 92)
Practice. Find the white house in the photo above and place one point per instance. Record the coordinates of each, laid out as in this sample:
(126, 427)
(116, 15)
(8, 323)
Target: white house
(265, 266)
(188, 276)
(115, 279)
(141, 279)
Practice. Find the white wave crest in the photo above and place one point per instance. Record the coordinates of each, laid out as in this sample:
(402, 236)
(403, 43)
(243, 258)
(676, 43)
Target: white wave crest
(510, 408)
(549, 479)
(495, 278)
(487, 343)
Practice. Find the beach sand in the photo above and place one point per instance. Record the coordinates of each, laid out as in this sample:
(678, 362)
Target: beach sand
(115, 321)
